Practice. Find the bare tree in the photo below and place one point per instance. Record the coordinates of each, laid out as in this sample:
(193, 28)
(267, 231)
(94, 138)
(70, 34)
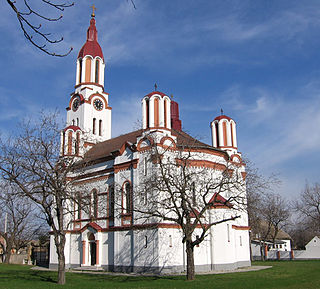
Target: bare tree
(272, 214)
(27, 16)
(179, 191)
(276, 213)
(263, 221)
(30, 162)
(301, 232)
(19, 225)
(308, 204)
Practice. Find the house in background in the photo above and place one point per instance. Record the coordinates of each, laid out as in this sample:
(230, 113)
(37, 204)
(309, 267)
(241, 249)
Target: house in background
(312, 250)
(282, 243)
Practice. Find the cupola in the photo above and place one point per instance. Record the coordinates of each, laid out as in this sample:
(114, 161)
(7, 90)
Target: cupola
(224, 135)
(156, 111)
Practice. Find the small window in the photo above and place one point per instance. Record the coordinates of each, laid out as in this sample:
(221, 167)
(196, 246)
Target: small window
(127, 198)
(170, 241)
(73, 122)
(111, 210)
(228, 232)
(77, 121)
(78, 205)
(193, 191)
(95, 204)
(147, 113)
(100, 127)
(69, 142)
(96, 79)
(94, 126)
(240, 240)
(80, 70)
(77, 144)
(146, 241)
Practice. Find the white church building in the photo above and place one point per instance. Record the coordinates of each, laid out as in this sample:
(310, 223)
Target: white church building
(114, 238)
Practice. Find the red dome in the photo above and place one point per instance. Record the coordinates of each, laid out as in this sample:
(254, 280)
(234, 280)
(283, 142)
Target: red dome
(91, 47)
(222, 117)
(156, 92)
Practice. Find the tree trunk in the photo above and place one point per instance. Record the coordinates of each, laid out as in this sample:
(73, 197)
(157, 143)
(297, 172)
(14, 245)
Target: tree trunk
(7, 254)
(190, 261)
(7, 257)
(60, 241)
(61, 270)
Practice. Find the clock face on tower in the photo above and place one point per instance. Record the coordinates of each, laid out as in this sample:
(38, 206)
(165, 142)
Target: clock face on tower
(75, 104)
(98, 104)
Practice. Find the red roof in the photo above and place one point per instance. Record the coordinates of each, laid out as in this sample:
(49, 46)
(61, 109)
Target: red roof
(91, 47)
(156, 92)
(73, 127)
(222, 117)
(92, 225)
(219, 201)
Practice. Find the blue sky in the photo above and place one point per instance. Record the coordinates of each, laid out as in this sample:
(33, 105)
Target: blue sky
(258, 60)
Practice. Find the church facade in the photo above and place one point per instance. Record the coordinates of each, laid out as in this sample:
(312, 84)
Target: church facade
(117, 238)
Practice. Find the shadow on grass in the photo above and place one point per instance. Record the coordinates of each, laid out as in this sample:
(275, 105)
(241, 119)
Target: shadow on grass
(42, 276)
(23, 274)
(125, 278)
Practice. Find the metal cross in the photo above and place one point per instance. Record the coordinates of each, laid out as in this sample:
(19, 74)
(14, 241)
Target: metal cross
(155, 87)
(93, 9)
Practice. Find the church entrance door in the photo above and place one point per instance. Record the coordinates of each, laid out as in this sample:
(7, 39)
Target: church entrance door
(93, 249)
(93, 252)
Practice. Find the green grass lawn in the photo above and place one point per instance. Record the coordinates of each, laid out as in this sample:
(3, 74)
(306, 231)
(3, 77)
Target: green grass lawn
(283, 274)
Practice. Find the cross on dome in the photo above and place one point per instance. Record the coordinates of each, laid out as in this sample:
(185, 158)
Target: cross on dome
(93, 9)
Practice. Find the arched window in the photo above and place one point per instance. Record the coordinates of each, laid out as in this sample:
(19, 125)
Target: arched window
(63, 142)
(100, 127)
(193, 192)
(73, 122)
(96, 78)
(80, 70)
(77, 144)
(224, 127)
(69, 142)
(231, 128)
(127, 198)
(217, 133)
(78, 206)
(156, 112)
(94, 126)
(77, 121)
(147, 113)
(88, 70)
(111, 200)
(94, 203)
(165, 113)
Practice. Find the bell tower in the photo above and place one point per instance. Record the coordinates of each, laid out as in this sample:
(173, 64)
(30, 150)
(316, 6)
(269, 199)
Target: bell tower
(88, 109)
